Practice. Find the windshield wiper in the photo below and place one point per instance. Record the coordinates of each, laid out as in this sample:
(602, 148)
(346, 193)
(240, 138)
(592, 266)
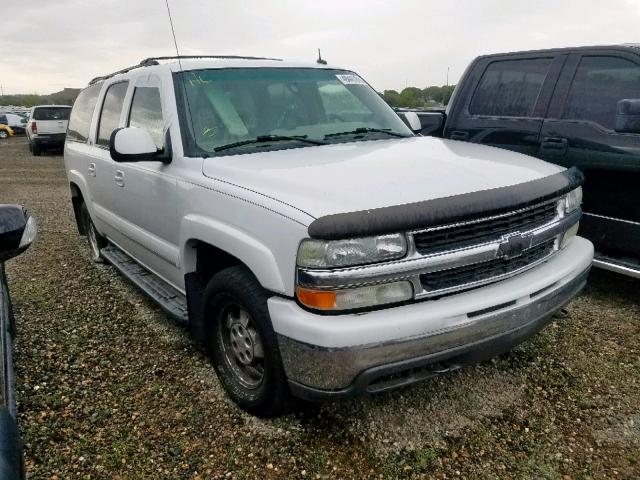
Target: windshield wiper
(361, 130)
(267, 139)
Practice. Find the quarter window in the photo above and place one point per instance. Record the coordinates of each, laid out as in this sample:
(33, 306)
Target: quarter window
(111, 110)
(599, 84)
(82, 113)
(510, 88)
(146, 112)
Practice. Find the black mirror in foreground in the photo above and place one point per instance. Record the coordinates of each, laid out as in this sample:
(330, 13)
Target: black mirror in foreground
(17, 231)
(628, 116)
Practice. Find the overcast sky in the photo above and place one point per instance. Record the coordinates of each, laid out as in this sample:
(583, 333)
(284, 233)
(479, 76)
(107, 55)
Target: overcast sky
(51, 44)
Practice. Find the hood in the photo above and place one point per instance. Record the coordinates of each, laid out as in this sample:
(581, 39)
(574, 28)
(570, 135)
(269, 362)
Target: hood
(349, 177)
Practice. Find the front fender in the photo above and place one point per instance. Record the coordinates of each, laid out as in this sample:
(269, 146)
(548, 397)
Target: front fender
(257, 256)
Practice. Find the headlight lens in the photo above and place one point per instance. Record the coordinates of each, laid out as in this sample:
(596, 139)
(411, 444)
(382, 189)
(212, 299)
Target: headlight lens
(355, 251)
(352, 298)
(573, 200)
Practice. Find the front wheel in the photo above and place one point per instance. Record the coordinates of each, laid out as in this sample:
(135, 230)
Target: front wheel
(96, 241)
(242, 344)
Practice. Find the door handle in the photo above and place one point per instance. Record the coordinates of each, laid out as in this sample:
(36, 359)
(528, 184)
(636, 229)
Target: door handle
(554, 145)
(92, 169)
(119, 178)
(459, 135)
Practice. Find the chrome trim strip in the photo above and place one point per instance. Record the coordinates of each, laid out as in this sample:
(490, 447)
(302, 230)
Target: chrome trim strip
(611, 218)
(614, 267)
(415, 264)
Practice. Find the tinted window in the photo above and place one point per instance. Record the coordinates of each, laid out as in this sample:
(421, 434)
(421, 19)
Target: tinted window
(599, 83)
(146, 112)
(111, 109)
(51, 113)
(510, 88)
(80, 119)
(3, 119)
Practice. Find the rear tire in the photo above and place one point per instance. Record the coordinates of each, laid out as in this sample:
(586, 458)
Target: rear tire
(96, 241)
(35, 149)
(242, 345)
(4, 134)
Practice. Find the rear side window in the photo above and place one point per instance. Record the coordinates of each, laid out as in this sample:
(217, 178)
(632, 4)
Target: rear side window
(51, 113)
(111, 110)
(146, 112)
(598, 85)
(82, 113)
(510, 88)
(3, 119)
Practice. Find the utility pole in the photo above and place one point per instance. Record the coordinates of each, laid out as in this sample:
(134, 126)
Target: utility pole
(1, 90)
(448, 76)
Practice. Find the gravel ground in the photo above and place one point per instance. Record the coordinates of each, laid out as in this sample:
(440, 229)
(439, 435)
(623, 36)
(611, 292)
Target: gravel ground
(109, 387)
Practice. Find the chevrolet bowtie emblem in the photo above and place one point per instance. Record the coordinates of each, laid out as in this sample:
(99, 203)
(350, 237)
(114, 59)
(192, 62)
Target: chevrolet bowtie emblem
(513, 245)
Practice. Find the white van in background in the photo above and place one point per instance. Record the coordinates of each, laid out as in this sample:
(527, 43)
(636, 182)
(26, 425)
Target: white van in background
(47, 127)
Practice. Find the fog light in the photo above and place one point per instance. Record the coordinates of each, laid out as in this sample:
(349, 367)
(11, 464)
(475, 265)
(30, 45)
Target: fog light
(569, 234)
(353, 298)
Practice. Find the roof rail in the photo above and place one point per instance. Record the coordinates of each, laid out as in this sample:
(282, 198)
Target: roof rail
(147, 62)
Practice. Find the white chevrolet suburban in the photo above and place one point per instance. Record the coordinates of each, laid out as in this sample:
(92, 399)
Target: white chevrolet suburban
(315, 244)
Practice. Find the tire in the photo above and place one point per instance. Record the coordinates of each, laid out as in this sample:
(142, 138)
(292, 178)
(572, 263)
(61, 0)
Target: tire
(4, 134)
(251, 371)
(35, 150)
(96, 241)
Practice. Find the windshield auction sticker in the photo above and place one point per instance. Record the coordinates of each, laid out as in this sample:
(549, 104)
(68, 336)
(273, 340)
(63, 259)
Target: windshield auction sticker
(350, 79)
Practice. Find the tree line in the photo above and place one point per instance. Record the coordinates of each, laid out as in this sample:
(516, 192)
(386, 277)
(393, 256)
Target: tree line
(414, 97)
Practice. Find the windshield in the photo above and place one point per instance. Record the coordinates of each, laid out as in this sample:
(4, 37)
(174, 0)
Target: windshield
(51, 113)
(244, 110)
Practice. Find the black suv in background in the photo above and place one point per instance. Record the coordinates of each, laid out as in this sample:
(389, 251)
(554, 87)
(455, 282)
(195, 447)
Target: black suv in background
(17, 232)
(573, 107)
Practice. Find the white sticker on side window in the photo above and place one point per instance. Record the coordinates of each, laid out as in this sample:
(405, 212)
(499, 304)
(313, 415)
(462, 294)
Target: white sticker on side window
(350, 79)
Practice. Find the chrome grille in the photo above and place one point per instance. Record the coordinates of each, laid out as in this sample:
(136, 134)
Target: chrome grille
(460, 235)
(471, 275)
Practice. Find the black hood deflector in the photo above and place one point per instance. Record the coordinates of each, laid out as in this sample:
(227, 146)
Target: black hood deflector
(439, 211)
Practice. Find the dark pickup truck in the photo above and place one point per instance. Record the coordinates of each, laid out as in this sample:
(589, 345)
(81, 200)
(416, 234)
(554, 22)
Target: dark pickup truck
(573, 107)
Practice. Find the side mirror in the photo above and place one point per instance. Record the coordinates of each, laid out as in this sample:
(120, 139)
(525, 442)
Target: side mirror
(132, 144)
(17, 231)
(413, 121)
(628, 116)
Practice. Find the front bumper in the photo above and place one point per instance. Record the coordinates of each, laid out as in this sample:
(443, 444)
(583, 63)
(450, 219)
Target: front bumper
(326, 360)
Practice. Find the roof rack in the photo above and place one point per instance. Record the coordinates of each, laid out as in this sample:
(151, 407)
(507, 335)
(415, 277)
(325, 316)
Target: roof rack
(147, 62)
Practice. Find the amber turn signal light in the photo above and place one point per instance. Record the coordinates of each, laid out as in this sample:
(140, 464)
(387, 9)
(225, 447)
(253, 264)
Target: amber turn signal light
(320, 299)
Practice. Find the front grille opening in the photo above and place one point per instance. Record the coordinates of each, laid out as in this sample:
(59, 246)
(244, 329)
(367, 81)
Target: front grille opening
(494, 308)
(481, 272)
(466, 234)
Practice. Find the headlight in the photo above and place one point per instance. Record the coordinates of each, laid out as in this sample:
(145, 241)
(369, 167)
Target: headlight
(352, 298)
(573, 200)
(355, 251)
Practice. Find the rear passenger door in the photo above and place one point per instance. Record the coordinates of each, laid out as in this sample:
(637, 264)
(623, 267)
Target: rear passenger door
(580, 131)
(101, 166)
(505, 101)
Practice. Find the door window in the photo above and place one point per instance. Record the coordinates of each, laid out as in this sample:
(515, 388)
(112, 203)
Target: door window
(510, 88)
(146, 112)
(598, 85)
(82, 113)
(111, 110)
(3, 119)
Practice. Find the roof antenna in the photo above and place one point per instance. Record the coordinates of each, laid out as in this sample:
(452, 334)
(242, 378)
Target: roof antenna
(321, 60)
